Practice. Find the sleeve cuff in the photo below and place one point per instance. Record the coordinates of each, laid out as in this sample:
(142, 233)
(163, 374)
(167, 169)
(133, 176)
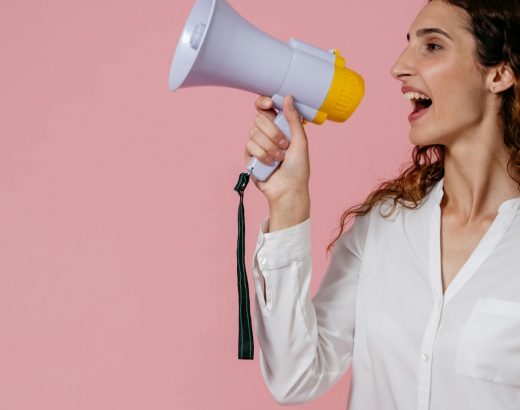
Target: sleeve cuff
(280, 248)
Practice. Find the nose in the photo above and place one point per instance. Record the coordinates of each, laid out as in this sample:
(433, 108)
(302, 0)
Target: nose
(403, 67)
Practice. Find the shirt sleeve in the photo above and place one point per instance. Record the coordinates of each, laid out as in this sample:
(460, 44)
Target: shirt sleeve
(305, 344)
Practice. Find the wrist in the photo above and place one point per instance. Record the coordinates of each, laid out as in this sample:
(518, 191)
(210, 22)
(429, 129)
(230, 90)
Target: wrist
(288, 211)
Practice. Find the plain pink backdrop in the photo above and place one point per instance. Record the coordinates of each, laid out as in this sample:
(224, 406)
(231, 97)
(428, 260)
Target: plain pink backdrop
(117, 211)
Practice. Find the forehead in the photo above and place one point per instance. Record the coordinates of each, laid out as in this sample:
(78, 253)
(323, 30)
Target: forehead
(438, 13)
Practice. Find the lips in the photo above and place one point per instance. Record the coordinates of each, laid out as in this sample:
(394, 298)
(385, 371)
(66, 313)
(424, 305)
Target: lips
(418, 112)
(408, 89)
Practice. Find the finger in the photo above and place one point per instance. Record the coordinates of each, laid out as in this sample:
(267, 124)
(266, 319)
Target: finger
(269, 128)
(265, 105)
(294, 119)
(254, 150)
(262, 140)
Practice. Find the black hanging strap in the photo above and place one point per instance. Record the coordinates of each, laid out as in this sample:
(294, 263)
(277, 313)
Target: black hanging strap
(245, 331)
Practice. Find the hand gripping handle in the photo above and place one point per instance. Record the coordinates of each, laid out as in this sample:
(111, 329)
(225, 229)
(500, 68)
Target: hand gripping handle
(260, 170)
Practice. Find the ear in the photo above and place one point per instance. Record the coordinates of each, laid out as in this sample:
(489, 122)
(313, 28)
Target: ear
(500, 78)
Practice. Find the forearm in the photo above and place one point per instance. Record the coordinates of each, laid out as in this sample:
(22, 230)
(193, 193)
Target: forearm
(298, 363)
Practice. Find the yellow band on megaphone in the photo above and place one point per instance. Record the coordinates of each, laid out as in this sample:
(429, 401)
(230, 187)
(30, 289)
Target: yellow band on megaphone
(345, 94)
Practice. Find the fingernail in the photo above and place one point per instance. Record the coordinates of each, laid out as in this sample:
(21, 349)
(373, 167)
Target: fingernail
(283, 144)
(279, 155)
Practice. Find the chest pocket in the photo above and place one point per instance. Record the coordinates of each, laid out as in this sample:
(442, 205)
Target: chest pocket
(489, 348)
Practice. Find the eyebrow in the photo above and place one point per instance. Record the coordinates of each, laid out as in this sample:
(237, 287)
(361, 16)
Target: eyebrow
(425, 31)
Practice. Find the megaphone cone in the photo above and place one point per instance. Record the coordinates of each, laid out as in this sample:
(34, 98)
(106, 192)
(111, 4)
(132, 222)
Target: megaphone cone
(219, 47)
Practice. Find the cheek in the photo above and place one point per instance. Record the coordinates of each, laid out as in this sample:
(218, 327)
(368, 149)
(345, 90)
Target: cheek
(462, 104)
(458, 95)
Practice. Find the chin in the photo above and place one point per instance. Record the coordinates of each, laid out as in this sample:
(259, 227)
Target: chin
(425, 137)
(418, 138)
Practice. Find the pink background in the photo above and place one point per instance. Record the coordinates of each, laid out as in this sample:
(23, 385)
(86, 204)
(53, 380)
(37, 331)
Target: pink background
(117, 211)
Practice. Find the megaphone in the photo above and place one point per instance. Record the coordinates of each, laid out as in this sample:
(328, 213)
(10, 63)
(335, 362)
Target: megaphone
(219, 47)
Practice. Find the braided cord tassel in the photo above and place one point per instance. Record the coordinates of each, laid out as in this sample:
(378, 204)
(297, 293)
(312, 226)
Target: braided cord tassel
(245, 331)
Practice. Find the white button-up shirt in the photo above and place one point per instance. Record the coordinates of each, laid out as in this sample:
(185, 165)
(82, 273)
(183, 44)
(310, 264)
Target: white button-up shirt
(380, 308)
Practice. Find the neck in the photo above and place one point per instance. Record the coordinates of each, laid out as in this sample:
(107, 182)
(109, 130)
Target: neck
(476, 181)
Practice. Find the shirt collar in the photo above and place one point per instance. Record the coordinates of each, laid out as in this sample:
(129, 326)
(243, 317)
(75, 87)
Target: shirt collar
(510, 205)
(438, 191)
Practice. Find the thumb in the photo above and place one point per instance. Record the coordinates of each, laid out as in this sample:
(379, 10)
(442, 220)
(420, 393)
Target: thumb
(294, 119)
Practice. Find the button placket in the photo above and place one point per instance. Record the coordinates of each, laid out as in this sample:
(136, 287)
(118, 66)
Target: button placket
(425, 368)
(430, 334)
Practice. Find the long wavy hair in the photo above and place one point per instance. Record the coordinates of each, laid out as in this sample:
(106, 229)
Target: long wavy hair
(495, 25)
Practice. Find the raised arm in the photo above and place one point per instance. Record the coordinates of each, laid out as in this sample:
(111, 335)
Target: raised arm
(306, 345)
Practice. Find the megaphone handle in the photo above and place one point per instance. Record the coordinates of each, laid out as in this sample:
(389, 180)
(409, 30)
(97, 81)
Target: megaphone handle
(263, 171)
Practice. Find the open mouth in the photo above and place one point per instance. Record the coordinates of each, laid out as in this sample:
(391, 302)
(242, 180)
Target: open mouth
(420, 102)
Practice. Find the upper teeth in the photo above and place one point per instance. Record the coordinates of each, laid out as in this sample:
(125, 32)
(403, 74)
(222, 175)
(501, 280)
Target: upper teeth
(416, 96)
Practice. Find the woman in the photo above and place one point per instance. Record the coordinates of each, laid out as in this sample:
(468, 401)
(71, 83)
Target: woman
(422, 295)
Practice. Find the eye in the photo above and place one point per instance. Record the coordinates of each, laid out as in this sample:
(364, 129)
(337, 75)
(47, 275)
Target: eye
(433, 47)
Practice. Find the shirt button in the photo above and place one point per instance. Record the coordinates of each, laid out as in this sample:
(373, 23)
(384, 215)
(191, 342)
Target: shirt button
(425, 357)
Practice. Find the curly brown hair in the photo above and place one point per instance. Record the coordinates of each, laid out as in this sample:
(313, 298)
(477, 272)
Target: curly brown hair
(495, 25)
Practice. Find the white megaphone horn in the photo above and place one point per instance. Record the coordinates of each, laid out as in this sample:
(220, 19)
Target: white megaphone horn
(218, 47)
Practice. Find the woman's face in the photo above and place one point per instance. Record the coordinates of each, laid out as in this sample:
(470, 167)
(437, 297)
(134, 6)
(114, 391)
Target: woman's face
(439, 62)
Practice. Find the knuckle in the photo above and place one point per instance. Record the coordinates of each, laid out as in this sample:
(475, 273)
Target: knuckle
(268, 137)
(249, 145)
(258, 119)
(257, 137)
